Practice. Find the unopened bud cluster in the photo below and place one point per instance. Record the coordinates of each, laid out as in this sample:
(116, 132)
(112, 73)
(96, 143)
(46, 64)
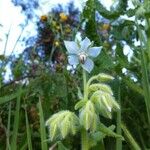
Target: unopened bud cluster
(98, 100)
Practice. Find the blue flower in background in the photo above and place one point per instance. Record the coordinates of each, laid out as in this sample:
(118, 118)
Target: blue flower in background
(82, 52)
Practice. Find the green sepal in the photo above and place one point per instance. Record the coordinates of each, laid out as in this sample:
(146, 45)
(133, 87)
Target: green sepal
(80, 104)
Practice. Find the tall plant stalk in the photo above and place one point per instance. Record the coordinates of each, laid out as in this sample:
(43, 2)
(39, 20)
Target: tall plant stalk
(84, 134)
(7, 37)
(119, 141)
(8, 128)
(129, 138)
(144, 67)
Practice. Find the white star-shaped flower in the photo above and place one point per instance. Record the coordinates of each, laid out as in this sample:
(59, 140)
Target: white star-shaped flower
(82, 52)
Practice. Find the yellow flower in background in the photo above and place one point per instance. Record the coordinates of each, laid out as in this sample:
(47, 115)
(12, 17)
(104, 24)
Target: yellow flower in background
(56, 43)
(63, 16)
(43, 18)
(106, 27)
(67, 29)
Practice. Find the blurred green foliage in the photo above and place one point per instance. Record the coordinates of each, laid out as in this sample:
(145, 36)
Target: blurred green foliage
(41, 85)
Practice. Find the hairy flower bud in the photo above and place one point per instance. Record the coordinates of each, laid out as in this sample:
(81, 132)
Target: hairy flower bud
(102, 77)
(61, 124)
(88, 117)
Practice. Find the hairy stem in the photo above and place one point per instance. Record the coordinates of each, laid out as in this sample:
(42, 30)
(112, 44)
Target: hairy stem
(84, 134)
(85, 85)
(84, 139)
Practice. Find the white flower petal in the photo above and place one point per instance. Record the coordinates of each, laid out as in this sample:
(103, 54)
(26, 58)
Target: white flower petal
(71, 47)
(85, 44)
(73, 59)
(88, 65)
(94, 51)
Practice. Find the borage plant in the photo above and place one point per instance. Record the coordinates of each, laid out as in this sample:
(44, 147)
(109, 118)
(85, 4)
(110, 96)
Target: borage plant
(97, 100)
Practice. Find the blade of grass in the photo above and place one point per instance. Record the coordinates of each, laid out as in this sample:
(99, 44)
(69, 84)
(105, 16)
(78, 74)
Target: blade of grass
(8, 98)
(16, 122)
(119, 141)
(7, 37)
(28, 131)
(8, 128)
(129, 138)
(144, 68)
(42, 127)
(101, 145)
(17, 41)
(24, 147)
(133, 86)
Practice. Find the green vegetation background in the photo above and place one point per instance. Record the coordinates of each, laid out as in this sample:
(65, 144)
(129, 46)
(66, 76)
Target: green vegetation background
(41, 85)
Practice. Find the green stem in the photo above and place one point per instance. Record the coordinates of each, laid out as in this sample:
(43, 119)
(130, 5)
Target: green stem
(84, 134)
(88, 84)
(91, 79)
(119, 141)
(84, 85)
(129, 138)
(144, 66)
(84, 139)
(7, 37)
(101, 145)
(8, 127)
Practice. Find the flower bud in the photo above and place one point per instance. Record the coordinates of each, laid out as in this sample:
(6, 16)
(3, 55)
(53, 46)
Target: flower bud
(104, 103)
(101, 87)
(88, 117)
(61, 124)
(102, 77)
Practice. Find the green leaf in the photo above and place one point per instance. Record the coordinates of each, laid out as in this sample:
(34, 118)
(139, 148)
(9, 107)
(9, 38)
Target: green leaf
(42, 127)
(61, 146)
(129, 138)
(133, 86)
(131, 12)
(8, 125)
(98, 136)
(89, 9)
(102, 128)
(16, 121)
(91, 26)
(120, 9)
(8, 98)
(28, 131)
